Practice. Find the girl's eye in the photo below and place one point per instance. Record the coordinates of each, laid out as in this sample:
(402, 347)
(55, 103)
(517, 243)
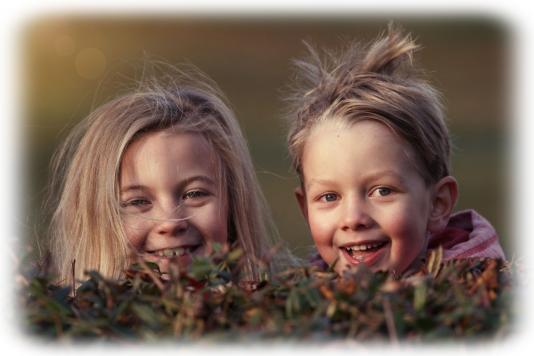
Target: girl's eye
(136, 205)
(195, 194)
(330, 197)
(136, 202)
(381, 192)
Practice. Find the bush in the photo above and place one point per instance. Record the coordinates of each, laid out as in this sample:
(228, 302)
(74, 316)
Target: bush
(466, 299)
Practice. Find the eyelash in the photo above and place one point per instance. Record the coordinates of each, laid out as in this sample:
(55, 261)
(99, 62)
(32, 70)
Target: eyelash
(376, 190)
(135, 202)
(193, 194)
(198, 192)
(323, 197)
(390, 191)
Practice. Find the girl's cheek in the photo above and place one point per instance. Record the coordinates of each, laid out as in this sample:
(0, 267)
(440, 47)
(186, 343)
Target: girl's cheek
(136, 229)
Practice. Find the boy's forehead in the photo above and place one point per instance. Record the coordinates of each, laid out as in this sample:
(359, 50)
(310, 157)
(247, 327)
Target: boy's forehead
(339, 127)
(373, 143)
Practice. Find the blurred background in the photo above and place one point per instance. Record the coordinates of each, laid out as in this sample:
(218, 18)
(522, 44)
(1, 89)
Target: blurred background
(71, 63)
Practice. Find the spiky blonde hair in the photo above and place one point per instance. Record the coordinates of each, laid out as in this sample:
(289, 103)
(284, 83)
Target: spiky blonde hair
(379, 82)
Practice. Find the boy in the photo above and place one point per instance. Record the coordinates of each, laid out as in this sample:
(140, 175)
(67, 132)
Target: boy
(371, 148)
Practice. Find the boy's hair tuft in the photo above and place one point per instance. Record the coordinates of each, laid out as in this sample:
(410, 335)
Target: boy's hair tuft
(379, 82)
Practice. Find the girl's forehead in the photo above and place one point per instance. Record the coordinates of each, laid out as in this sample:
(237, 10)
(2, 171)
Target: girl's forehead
(180, 145)
(173, 137)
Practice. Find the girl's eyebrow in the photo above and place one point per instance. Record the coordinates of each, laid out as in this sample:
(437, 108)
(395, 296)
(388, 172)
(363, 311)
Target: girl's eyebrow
(132, 187)
(203, 178)
(140, 187)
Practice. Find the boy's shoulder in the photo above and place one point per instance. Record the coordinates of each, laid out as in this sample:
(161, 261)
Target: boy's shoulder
(467, 234)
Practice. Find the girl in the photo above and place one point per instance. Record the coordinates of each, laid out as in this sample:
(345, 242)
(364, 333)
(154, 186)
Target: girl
(164, 172)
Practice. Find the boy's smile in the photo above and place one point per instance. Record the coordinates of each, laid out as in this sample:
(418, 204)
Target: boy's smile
(363, 198)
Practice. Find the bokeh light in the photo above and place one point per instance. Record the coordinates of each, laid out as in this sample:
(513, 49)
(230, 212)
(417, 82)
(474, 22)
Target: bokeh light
(90, 63)
(64, 45)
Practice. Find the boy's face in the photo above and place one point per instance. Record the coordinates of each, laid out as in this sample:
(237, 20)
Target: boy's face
(363, 198)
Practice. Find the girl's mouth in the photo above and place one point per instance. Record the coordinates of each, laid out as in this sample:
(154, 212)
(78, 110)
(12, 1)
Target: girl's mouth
(174, 252)
(365, 250)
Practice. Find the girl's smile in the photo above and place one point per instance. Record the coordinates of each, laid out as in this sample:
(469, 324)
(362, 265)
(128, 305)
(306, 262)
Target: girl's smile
(171, 195)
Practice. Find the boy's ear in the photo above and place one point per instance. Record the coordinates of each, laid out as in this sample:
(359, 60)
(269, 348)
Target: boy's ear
(443, 200)
(301, 198)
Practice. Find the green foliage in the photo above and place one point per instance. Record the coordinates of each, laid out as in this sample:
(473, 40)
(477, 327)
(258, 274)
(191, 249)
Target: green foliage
(468, 299)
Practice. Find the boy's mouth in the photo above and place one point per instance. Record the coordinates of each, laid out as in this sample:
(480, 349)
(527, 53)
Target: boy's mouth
(173, 252)
(359, 252)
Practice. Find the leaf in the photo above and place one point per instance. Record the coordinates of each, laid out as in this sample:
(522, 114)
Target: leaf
(332, 266)
(434, 261)
(147, 314)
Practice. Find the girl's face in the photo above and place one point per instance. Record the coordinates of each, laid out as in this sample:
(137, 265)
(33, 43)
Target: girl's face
(173, 201)
(363, 198)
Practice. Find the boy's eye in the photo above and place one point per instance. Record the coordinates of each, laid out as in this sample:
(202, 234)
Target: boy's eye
(381, 192)
(194, 194)
(329, 197)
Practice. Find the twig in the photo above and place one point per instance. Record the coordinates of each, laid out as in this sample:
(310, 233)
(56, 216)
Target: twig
(73, 271)
(390, 323)
(152, 275)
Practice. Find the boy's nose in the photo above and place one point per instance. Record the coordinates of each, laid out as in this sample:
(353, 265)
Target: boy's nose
(356, 216)
(172, 222)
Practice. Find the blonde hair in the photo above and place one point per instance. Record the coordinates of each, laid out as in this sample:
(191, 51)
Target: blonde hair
(377, 82)
(86, 225)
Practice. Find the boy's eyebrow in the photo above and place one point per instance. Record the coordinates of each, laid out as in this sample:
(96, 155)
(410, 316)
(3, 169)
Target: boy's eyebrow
(319, 181)
(383, 174)
(202, 178)
(370, 177)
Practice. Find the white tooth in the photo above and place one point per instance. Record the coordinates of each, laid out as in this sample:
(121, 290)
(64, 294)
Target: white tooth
(166, 253)
(179, 251)
(363, 247)
(355, 248)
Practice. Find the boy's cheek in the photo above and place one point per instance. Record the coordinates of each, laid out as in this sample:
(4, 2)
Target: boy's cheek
(320, 228)
(322, 234)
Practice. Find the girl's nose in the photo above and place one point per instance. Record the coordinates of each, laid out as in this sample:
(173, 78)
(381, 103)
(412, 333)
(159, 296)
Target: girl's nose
(171, 223)
(356, 216)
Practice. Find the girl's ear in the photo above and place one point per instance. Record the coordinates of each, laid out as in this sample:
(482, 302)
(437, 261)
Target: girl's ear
(301, 198)
(444, 197)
